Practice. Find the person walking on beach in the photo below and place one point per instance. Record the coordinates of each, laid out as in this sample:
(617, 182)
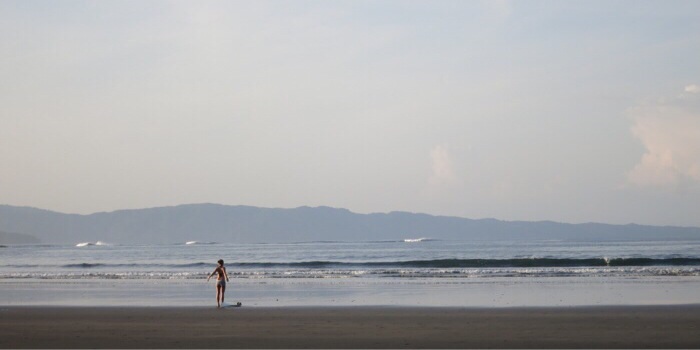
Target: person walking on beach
(221, 279)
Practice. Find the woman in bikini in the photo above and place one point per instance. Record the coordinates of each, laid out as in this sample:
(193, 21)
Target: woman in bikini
(221, 279)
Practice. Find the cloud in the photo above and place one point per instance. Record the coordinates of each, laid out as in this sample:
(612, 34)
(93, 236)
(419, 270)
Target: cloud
(693, 89)
(443, 174)
(670, 132)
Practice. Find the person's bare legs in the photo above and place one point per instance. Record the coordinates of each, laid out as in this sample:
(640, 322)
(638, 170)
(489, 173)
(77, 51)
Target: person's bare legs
(223, 290)
(218, 293)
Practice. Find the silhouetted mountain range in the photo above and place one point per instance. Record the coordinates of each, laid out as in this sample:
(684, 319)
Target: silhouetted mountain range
(246, 224)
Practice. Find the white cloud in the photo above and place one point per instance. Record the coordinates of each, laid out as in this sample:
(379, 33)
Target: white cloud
(670, 132)
(693, 89)
(443, 174)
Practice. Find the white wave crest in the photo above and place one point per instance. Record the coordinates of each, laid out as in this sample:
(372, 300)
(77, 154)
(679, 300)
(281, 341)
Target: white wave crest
(469, 273)
(416, 240)
(86, 244)
(198, 242)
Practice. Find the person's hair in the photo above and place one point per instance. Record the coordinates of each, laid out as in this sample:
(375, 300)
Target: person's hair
(221, 262)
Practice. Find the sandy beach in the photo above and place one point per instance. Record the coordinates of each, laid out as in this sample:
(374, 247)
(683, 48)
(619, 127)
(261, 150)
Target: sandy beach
(348, 327)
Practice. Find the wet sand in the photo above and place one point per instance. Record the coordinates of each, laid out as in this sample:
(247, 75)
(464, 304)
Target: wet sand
(351, 327)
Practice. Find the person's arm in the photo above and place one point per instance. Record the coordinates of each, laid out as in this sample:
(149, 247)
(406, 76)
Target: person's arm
(211, 274)
(225, 274)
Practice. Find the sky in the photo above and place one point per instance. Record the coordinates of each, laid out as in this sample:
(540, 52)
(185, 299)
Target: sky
(571, 111)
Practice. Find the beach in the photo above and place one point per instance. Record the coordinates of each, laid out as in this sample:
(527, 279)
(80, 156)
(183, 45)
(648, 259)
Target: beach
(432, 294)
(675, 326)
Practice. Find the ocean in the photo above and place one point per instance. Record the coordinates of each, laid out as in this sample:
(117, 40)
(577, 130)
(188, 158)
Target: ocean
(413, 271)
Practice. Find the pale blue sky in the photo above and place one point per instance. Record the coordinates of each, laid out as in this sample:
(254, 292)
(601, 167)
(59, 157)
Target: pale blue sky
(571, 111)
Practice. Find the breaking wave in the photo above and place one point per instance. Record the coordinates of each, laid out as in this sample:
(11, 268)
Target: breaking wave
(438, 268)
(103, 265)
(417, 240)
(87, 244)
(458, 273)
(486, 263)
(198, 243)
(438, 263)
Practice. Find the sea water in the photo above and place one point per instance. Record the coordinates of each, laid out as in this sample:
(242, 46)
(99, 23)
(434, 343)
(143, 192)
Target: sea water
(413, 271)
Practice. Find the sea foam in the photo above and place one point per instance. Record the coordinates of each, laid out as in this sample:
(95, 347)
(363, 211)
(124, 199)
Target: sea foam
(198, 243)
(416, 240)
(86, 244)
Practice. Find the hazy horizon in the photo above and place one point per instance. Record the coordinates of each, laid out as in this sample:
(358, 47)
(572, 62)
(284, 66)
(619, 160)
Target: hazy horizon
(578, 111)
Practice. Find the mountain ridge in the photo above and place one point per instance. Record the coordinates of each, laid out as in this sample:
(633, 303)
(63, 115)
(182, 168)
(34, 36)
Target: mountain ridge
(250, 224)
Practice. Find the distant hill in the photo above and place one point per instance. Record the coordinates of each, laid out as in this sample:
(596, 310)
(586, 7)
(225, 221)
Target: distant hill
(17, 238)
(246, 224)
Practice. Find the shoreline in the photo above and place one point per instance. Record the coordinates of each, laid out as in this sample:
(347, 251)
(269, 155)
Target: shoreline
(229, 306)
(624, 326)
(444, 292)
